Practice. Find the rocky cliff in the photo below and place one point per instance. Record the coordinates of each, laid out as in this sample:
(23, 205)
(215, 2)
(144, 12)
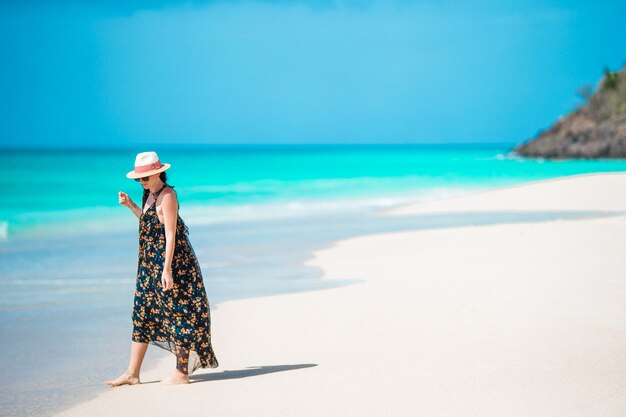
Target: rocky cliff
(596, 129)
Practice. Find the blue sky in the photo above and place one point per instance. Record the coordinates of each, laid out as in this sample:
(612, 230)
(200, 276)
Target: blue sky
(110, 73)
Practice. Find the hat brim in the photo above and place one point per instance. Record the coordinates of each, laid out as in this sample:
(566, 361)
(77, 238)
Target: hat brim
(133, 174)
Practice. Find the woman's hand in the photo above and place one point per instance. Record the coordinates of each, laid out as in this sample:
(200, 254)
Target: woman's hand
(167, 282)
(125, 200)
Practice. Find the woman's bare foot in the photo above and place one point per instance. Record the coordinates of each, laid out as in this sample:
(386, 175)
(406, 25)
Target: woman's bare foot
(176, 378)
(125, 378)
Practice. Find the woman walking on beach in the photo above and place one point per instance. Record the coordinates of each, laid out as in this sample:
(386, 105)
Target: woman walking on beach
(171, 309)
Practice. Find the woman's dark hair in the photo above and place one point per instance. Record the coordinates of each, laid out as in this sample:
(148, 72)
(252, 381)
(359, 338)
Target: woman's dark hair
(146, 192)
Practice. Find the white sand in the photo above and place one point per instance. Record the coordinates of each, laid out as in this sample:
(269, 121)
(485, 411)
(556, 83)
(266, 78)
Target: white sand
(602, 191)
(500, 320)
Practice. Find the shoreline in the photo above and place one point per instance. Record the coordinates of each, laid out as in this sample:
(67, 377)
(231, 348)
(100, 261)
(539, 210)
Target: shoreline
(473, 201)
(334, 360)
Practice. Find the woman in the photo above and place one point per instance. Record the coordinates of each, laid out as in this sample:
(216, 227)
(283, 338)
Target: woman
(171, 309)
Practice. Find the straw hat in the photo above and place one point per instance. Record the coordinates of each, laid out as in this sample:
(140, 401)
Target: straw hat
(146, 164)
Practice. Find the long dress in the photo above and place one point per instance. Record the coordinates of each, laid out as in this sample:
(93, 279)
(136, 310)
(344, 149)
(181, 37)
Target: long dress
(179, 319)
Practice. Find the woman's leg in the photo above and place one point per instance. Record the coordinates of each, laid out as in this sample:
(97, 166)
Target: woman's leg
(131, 375)
(181, 374)
(137, 353)
(182, 360)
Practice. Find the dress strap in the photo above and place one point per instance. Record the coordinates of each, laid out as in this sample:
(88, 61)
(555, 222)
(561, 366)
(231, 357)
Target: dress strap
(156, 195)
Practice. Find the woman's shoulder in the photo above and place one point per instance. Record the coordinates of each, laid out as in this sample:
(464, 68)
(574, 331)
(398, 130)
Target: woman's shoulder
(167, 192)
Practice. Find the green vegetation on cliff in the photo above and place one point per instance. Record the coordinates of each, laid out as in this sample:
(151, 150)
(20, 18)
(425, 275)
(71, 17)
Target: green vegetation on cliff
(596, 129)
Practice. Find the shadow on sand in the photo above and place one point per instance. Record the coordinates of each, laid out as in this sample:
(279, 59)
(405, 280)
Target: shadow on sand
(248, 372)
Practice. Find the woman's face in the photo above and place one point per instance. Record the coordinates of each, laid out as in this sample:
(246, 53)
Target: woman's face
(150, 180)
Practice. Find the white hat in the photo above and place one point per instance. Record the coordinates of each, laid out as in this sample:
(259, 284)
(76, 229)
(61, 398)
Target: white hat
(146, 164)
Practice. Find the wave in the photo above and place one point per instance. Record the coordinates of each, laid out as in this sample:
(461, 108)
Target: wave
(63, 282)
(4, 230)
(510, 156)
(108, 220)
(67, 222)
(303, 187)
(207, 214)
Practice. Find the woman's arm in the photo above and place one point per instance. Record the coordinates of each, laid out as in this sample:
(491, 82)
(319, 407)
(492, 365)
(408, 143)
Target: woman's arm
(135, 209)
(169, 205)
(126, 201)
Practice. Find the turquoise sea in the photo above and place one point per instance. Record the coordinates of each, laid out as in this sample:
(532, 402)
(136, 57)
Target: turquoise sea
(68, 250)
(75, 191)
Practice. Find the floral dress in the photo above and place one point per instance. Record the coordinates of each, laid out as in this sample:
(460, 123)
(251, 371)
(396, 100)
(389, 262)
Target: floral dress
(179, 319)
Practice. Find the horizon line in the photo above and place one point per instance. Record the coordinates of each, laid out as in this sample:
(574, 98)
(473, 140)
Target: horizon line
(241, 145)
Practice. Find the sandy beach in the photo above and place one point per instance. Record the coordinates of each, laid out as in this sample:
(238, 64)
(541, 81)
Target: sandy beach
(515, 319)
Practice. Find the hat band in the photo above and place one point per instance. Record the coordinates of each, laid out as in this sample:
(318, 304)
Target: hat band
(144, 168)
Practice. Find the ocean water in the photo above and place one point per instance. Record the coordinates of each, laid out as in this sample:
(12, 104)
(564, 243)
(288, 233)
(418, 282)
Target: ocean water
(75, 191)
(68, 250)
